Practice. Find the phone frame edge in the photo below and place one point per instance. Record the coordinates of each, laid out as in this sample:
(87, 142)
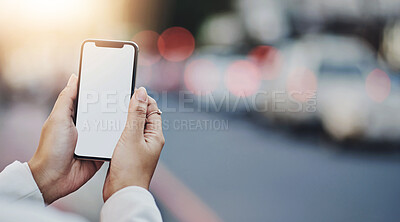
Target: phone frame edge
(79, 80)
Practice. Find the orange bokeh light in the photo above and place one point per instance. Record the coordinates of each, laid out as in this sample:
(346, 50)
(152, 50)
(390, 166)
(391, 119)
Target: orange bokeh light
(243, 78)
(268, 59)
(147, 41)
(301, 84)
(176, 44)
(378, 85)
(202, 76)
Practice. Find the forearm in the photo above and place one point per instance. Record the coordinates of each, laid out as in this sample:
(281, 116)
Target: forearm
(17, 183)
(130, 204)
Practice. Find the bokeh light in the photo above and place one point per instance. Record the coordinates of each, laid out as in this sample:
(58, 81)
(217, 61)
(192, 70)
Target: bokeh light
(301, 84)
(378, 85)
(166, 75)
(176, 44)
(147, 41)
(243, 78)
(268, 59)
(202, 76)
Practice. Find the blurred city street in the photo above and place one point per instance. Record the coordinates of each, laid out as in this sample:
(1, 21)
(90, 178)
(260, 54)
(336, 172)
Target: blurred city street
(260, 173)
(273, 110)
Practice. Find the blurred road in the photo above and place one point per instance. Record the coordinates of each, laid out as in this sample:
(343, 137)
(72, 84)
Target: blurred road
(255, 173)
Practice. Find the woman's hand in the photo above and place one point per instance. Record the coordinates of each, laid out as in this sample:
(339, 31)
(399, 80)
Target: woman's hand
(136, 154)
(54, 168)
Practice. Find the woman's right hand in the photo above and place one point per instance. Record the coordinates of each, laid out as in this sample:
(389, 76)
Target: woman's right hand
(137, 152)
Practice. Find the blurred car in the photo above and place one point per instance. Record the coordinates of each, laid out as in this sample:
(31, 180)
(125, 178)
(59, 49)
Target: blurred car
(333, 69)
(320, 79)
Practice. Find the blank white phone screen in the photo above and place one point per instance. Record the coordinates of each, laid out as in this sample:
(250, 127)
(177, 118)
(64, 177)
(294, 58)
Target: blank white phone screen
(104, 93)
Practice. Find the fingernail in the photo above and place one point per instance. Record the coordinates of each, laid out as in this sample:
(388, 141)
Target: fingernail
(141, 94)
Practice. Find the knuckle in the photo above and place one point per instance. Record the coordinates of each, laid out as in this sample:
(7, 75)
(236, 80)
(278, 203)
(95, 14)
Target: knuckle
(157, 124)
(152, 101)
(63, 93)
(141, 110)
(161, 139)
(50, 121)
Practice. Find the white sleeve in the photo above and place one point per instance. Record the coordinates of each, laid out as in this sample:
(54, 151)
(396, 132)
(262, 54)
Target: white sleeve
(130, 204)
(17, 183)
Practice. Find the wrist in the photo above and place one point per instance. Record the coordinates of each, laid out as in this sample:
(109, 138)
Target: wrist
(42, 179)
(115, 183)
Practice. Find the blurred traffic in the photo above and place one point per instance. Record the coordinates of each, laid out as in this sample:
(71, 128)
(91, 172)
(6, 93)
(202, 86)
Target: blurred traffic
(328, 68)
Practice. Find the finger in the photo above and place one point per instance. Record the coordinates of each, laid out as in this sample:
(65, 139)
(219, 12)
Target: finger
(90, 167)
(65, 104)
(137, 114)
(153, 131)
(154, 122)
(98, 164)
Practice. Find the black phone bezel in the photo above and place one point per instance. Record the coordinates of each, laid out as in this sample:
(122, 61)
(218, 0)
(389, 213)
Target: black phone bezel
(110, 44)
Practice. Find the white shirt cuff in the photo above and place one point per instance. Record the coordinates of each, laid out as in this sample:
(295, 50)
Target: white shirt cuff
(130, 204)
(17, 183)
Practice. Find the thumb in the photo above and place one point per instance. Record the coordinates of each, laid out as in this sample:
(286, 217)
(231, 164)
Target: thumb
(137, 114)
(64, 106)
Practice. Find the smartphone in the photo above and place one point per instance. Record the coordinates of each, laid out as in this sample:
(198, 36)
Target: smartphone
(107, 73)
